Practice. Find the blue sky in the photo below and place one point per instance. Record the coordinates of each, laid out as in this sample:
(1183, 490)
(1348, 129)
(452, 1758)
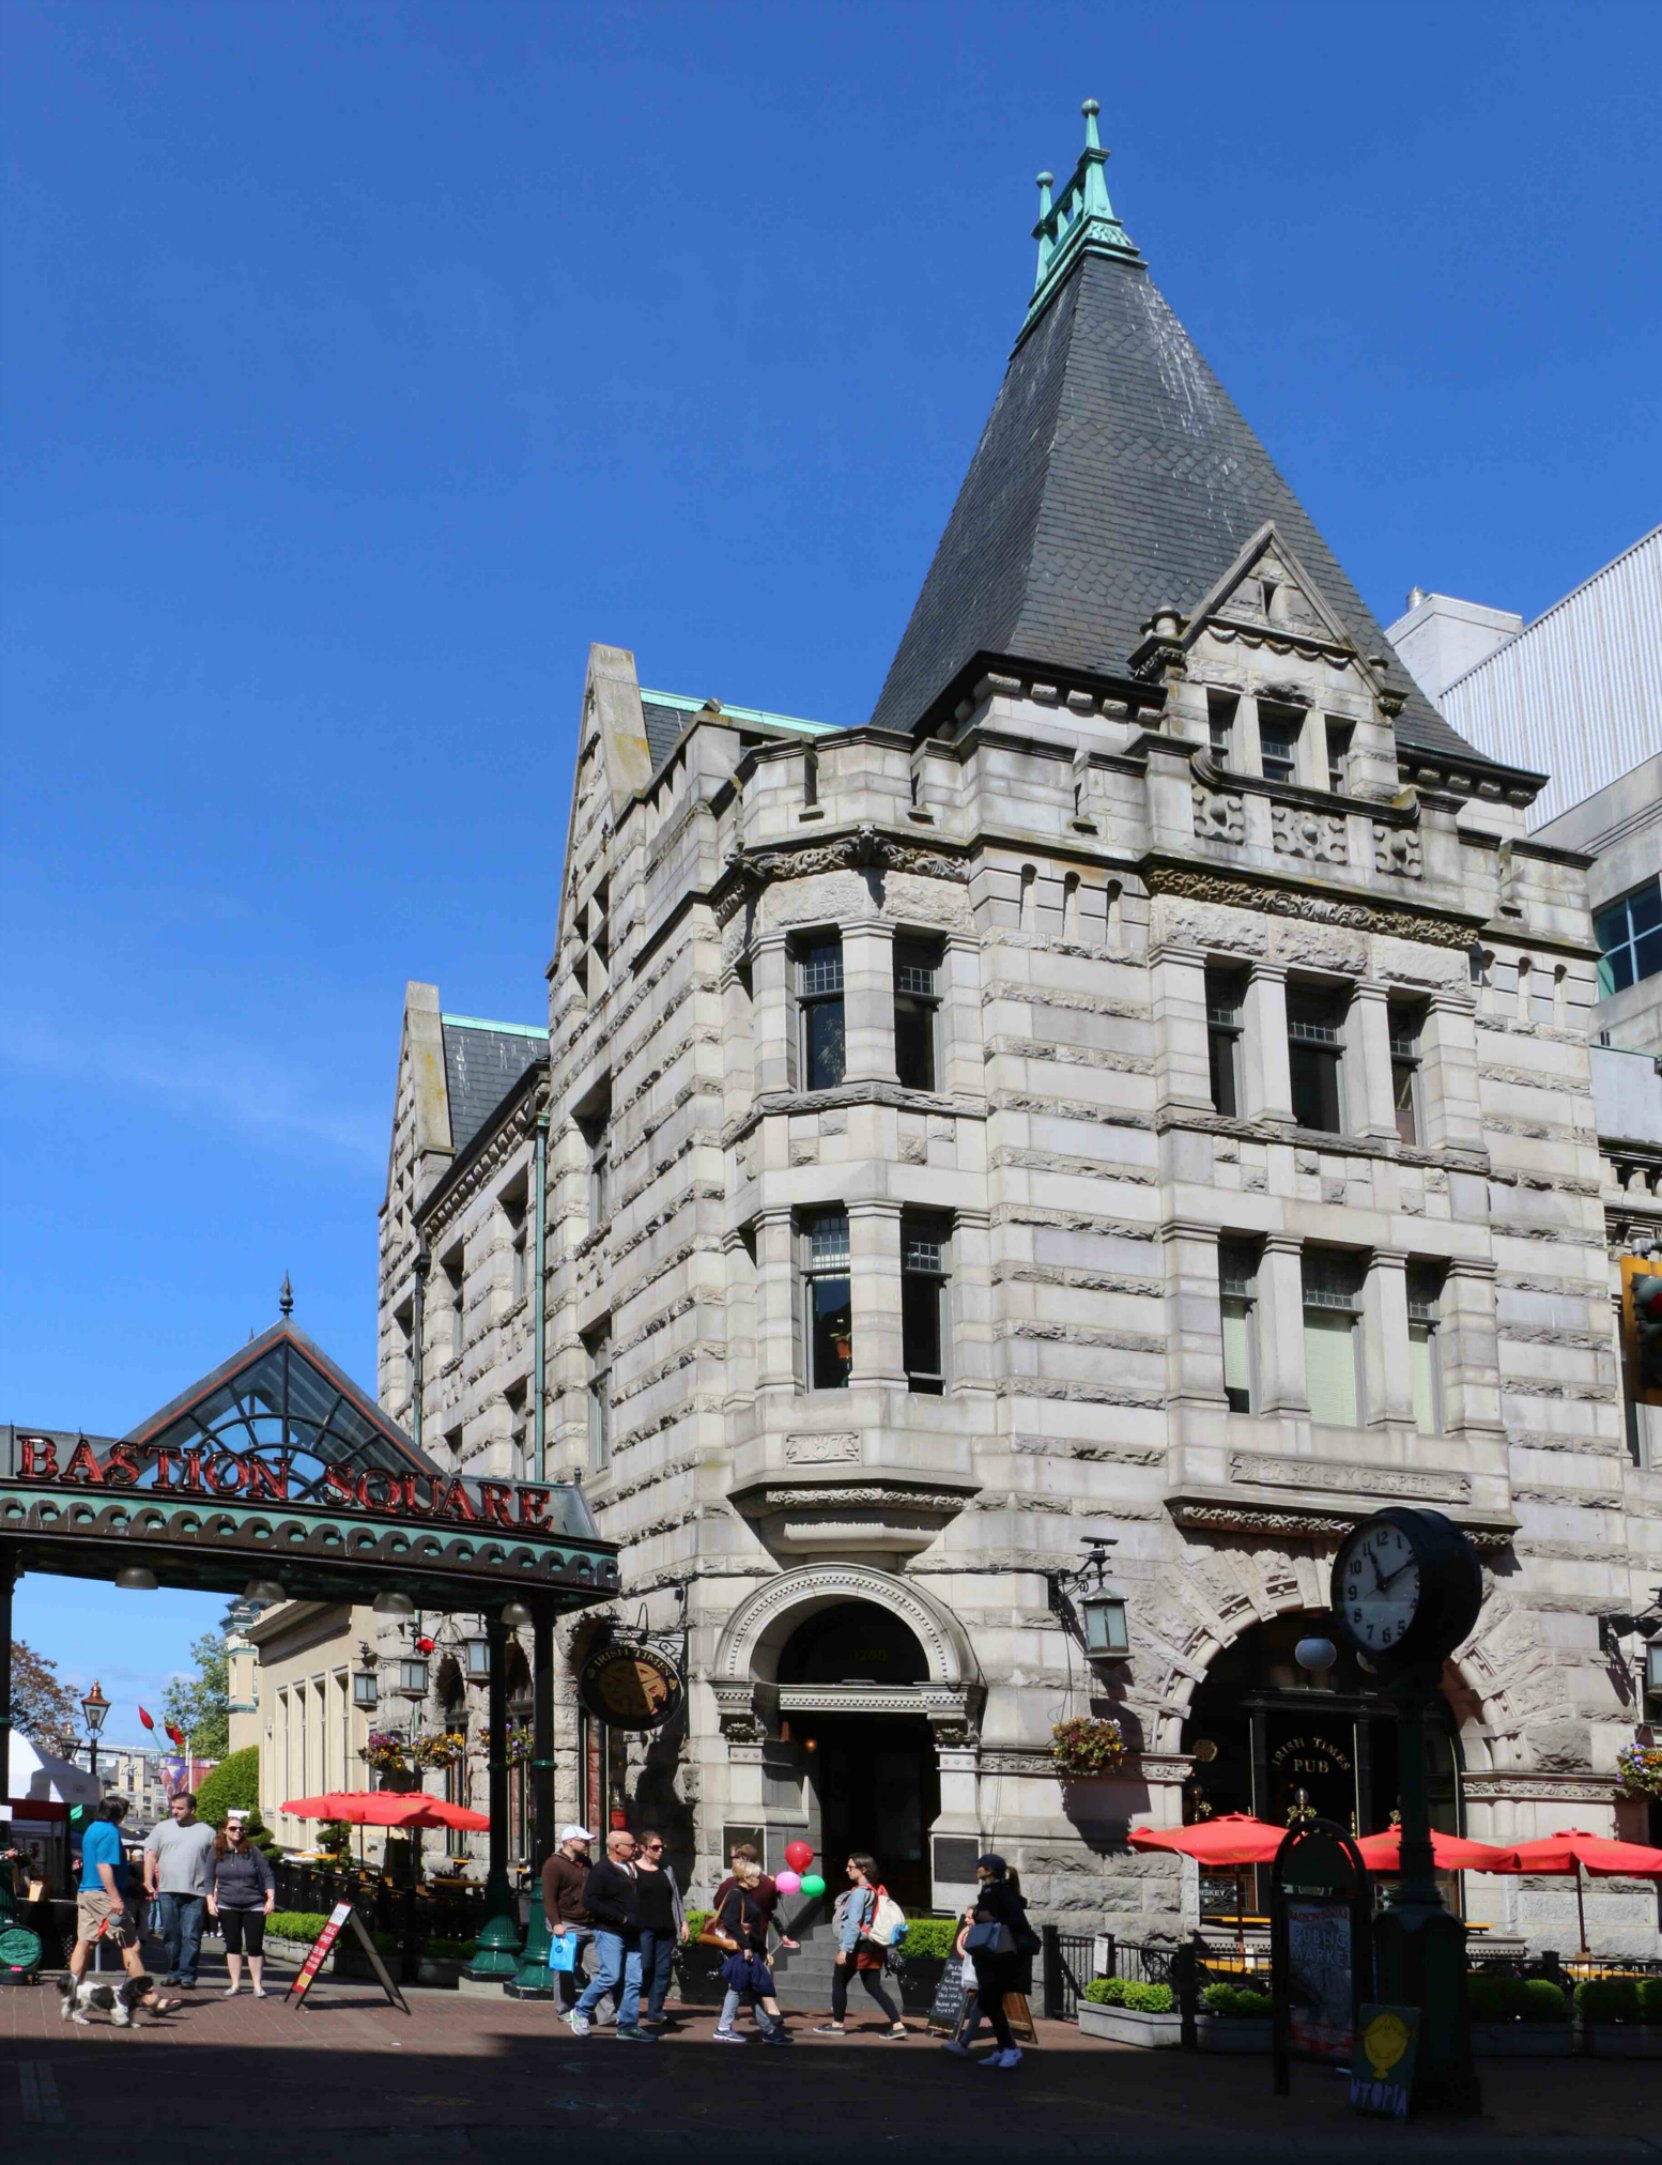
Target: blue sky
(365, 363)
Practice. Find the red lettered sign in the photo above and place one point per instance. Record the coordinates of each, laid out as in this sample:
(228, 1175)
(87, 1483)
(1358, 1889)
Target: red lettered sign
(320, 1952)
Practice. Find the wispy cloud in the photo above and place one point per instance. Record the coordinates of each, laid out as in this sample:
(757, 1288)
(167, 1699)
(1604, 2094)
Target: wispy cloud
(257, 1091)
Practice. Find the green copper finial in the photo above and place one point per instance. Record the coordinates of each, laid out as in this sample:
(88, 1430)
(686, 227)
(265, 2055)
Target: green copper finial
(1079, 222)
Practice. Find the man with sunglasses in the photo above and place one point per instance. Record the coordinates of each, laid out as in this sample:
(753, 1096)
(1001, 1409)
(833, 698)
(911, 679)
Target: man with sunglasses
(663, 1925)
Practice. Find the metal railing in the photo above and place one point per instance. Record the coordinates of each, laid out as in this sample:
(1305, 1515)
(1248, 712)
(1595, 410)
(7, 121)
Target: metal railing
(412, 1914)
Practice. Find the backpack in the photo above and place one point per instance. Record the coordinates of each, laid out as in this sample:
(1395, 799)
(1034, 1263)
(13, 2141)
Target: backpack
(888, 1920)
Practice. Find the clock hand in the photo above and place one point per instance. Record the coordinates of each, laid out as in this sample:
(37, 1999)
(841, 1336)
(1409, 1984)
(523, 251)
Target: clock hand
(1379, 1583)
(1397, 1573)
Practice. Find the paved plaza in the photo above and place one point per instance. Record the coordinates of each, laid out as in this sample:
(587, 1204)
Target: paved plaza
(459, 2079)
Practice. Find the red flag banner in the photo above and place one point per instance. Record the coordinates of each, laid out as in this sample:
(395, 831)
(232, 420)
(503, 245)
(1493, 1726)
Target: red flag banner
(148, 1720)
(176, 1734)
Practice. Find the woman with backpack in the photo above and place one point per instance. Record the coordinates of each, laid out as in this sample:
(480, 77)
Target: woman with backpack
(862, 1949)
(1002, 1944)
(742, 1927)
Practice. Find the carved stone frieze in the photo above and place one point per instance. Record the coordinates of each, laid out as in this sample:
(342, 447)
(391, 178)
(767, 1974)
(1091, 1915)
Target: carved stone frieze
(1218, 815)
(1396, 849)
(865, 849)
(1270, 1472)
(814, 1450)
(1559, 1788)
(1289, 1525)
(1299, 831)
(1242, 894)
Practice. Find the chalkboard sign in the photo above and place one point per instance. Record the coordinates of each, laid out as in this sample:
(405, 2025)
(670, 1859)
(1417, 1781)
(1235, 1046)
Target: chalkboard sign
(342, 1915)
(946, 2010)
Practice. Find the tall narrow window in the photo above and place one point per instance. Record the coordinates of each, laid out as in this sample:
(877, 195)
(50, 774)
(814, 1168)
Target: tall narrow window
(1279, 729)
(828, 1317)
(924, 1252)
(513, 1215)
(1220, 726)
(1315, 1056)
(1425, 1295)
(455, 1325)
(1629, 933)
(819, 994)
(1225, 1000)
(598, 1346)
(600, 1177)
(1407, 1020)
(1339, 736)
(1238, 1306)
(1333, 1336)
(917, 977)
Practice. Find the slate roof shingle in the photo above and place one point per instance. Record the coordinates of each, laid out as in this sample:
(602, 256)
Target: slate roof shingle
(482, 1062)
(1114, 476)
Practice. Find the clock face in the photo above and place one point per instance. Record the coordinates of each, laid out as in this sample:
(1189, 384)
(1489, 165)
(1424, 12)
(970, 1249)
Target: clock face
(1380, 1587)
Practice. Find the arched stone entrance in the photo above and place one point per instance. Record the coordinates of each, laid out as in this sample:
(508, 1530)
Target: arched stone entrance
(861, 1697)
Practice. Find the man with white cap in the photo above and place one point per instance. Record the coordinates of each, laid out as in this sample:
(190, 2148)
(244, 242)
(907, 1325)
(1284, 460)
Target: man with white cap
(562, 1904)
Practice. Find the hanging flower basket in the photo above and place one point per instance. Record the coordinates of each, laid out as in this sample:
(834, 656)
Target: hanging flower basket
(1087, 1745)
(1639, 1769)
(442, 1748)
(386, 1750)
(517, 1748)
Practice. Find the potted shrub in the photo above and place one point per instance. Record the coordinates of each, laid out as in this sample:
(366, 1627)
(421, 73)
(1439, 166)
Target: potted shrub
(441, 1961)
(1524, 2017)
(1621, 2017)
(924, 1951)
(1125, 2013)
(1235, 2018)
(698, 1969)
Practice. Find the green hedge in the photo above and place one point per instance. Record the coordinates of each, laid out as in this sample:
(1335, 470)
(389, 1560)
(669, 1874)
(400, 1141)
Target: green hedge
(303, 1924)
(929, 1939)
(1139, 1999)
(1238, 2002)
(1516, 1999)
(697, 1919)
(233, 1786)
(1620, 1999)
(449, 1950)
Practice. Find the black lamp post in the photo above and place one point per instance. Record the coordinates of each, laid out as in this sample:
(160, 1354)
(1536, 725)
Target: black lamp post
(95, 1711)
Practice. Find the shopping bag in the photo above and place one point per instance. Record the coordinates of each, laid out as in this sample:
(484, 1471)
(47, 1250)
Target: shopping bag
(562, 1951)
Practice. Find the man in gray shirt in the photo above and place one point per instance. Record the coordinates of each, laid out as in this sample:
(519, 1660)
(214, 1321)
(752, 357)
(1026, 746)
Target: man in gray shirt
(178, 1864)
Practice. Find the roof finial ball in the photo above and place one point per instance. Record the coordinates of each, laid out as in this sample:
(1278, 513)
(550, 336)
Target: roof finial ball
(1045, 182)
(285, 1299)
(1090, 109)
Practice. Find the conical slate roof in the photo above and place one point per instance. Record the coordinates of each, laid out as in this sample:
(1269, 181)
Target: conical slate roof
(1115, 476)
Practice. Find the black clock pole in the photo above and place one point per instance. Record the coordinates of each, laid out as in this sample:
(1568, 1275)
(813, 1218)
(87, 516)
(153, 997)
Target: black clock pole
(1419, 1949)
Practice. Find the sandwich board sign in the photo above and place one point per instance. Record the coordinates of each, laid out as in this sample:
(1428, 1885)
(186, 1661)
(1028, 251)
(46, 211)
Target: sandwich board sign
(342, 1915)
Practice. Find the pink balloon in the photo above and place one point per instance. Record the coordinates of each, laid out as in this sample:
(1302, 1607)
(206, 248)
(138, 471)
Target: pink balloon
(788, 1882)
(799, 1855)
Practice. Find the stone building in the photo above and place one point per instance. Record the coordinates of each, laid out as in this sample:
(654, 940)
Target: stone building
(1133, 1091)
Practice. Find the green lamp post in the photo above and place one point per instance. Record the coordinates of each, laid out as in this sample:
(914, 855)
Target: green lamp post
(496, 1960)
(535, 1980)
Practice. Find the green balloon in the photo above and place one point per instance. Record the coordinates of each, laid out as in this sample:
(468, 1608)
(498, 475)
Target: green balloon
(813, 1885)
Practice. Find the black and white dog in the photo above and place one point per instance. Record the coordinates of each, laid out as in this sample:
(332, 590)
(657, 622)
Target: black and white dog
(118, 2000)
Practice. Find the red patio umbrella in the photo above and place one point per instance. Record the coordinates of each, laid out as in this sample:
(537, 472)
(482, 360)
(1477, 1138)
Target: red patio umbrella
(405, 1810)
(1233, 1841)
(1449, 1852)
(1574, 1850)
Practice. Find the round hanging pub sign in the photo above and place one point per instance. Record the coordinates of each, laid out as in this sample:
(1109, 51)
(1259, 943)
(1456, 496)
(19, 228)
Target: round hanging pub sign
(631, 1686)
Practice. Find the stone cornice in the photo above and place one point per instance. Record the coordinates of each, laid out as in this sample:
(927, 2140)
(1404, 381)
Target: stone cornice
(779, 1103)
(1587, 1788)
(1229, 1511)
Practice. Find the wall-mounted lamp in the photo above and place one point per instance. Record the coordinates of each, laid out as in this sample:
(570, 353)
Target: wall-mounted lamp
(412, 1676)
(1090, 1608)
(476, 1658)
(1107, 1632)
(366, 1682)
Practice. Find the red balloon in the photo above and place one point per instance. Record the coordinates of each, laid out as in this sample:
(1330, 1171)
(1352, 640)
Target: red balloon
(799, 1855)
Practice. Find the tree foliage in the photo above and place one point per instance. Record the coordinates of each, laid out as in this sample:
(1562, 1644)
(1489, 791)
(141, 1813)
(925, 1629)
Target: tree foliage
(233, 1786)
(44, 1709)
(201, 1704)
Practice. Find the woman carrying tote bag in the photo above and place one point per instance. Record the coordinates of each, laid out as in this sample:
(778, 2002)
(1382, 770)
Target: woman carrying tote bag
(1002, 1944)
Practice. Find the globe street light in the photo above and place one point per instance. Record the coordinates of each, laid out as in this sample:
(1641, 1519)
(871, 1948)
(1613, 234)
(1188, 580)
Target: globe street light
(95, 1711)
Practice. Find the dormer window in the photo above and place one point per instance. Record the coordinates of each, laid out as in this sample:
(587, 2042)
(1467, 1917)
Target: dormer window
(1279, 729)
(1220, 726)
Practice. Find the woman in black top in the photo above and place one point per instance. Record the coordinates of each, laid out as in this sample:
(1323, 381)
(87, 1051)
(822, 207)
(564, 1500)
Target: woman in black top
(1003, 1955)
(242, 1893)
(663, 1926)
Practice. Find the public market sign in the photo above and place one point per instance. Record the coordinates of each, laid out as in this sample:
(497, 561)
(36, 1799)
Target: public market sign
(160, 1469)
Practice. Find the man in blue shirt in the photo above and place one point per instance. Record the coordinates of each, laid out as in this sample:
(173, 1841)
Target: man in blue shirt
(102, 1907)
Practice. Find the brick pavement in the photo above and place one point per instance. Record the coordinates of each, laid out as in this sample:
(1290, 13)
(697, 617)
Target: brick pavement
(464, 2080)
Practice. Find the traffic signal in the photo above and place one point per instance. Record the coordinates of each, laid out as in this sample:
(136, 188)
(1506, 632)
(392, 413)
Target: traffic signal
(1642, 1326)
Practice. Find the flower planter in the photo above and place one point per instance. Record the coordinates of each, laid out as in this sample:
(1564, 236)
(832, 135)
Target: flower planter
(441, 1976)
(1233, 2033)
(1623, 2040)
(1121, 2026)
(698, 1975)
(1522, 2040)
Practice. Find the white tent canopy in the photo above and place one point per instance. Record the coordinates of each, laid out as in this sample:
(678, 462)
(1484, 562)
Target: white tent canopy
(37, 1773)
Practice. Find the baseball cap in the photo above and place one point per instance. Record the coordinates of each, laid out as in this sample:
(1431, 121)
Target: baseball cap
(575, 1834)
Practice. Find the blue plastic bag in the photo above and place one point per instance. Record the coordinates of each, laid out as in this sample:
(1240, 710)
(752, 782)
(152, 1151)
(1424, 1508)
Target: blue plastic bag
(562, 1951)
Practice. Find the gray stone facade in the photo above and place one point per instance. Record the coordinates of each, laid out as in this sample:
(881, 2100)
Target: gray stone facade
(1214, 1072)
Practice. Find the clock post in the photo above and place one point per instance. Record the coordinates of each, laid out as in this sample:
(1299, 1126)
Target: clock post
(1407, 1589)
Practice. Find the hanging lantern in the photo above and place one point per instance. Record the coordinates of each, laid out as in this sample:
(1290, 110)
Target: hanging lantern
(412, 1676)
(476, 1658)
(1107, 1633)
(96, 1710)
(366, 1685)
